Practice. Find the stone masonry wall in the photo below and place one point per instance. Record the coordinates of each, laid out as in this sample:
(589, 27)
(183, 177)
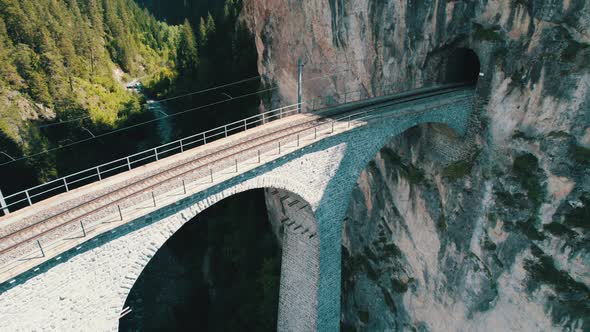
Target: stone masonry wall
(296, 224)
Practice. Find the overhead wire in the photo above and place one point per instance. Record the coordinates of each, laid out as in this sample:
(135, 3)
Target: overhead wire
(333, 63)
(62, 122)
(164, 100)
(161, 100)
(158, 119)
(134, 126)
(208, 89)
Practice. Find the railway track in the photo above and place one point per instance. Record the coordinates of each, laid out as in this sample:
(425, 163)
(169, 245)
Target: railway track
(163, 180)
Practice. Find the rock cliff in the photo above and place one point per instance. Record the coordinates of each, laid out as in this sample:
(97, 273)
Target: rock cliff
(484, 232)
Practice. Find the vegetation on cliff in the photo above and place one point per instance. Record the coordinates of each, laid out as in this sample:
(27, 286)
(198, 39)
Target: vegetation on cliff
(66, 61)
(63, 54)
(63, 70)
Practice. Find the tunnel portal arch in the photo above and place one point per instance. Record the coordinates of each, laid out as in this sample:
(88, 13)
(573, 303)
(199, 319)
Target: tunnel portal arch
(453, 65)
(463, 66)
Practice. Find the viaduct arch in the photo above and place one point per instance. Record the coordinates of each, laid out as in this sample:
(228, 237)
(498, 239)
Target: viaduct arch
(92, 284)
(295, 231)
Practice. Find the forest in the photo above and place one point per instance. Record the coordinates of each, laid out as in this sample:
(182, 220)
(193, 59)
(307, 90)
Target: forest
(65, 64)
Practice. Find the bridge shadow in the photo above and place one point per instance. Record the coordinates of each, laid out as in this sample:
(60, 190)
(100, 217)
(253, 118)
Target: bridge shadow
(74, 237)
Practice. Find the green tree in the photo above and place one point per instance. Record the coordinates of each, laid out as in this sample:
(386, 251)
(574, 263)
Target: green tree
(206, 30)
(8, 73)
(17, 24)
(202, 32)
(187, 56)
(210, 25)
(230, 9)
(62, 54)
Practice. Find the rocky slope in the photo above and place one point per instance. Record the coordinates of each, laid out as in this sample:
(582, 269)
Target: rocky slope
(494, 236)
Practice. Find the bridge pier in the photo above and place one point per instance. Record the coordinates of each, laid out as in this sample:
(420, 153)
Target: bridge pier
(309, 296)
(330, 277)
(299, 281)
(295, 225)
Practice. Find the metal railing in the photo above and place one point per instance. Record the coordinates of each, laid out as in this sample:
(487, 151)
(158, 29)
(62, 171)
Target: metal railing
(60, 185)
(120, 208)
(185, 178)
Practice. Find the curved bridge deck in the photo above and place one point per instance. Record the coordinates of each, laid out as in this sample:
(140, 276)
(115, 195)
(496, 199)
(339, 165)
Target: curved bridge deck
(45, 230)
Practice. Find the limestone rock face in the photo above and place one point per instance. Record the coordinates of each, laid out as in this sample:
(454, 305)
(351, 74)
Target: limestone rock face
(484, 232)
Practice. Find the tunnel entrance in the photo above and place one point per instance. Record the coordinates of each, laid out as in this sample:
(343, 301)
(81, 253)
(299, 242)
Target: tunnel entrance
(462, 67)
(452, 65)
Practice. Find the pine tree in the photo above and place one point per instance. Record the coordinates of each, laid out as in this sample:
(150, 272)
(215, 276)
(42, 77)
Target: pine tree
(229, 10)
(187, 57)
(8, 73)
(210, 25)
(96, 18)
(61, 54)
(17, 24)
(202, 32)
(206, 30)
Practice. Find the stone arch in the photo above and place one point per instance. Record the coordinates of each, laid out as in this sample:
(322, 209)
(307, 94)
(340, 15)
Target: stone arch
(299, 266)
(359, 147)
(390, 131)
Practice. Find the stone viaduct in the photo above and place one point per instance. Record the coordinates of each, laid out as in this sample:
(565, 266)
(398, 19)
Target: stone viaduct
(85, 288)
